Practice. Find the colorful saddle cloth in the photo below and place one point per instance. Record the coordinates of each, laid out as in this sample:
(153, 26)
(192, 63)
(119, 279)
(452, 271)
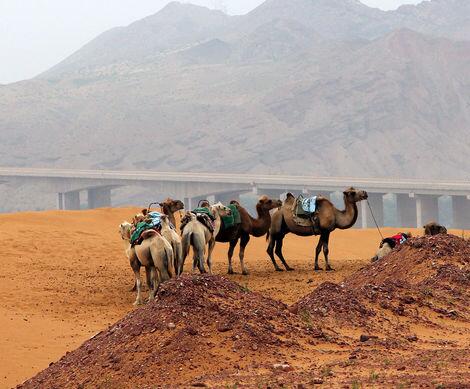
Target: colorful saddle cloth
(152, 222)
(233, 219)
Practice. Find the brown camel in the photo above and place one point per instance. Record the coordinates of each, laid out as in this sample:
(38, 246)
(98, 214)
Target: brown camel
(169, 207)
(329, 219)
(434, 228)
(248, 226)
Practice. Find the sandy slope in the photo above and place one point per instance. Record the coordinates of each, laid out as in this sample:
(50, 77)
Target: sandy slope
(64, 277)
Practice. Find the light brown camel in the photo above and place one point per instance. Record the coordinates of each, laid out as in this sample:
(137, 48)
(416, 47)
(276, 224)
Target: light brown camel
(174, 239)
(248, 226)
(154, 253)
(329, 219)
(197, 235)
(169, 207)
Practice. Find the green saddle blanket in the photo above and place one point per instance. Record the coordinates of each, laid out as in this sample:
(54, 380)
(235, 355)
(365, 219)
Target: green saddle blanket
(205, 211)
(233, 219)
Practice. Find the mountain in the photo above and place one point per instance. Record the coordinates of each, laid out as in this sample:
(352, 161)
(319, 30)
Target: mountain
(301, 86)
(445, 18)
(175, 26)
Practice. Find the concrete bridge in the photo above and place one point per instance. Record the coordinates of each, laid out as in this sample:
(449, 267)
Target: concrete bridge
(416, 200)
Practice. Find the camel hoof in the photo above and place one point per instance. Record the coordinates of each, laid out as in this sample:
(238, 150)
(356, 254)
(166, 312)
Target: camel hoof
(245, 273)
(288, 268)
(138, 302)
(329, 268)
(230, 271)
(318, 268)
(279, 269)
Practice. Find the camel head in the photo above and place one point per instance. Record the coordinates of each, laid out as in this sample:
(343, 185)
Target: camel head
(170, 205)
(353, 195)
(125, 229)
(220, 209)
(140, 217)
(266, 204)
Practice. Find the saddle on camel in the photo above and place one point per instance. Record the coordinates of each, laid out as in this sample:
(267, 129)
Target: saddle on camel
(305, 212)
(144, 225)
(203, 214)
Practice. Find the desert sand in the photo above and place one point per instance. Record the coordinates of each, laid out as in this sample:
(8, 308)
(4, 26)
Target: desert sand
(65, 277)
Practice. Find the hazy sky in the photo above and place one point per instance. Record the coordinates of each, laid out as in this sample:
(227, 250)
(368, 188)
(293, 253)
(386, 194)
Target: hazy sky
(37, 34)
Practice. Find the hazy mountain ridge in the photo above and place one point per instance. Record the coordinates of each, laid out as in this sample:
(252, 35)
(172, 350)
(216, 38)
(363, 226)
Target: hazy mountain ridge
(267, 92)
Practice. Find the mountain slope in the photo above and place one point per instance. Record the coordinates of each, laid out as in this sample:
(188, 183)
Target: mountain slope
(175, 26)
(279, 90)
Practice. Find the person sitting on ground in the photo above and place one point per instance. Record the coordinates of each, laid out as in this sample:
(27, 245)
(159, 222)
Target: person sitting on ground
(388, 244)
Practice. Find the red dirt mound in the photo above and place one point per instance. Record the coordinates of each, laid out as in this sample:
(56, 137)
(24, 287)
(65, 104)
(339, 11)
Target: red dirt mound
(195, 321)
(419, 281)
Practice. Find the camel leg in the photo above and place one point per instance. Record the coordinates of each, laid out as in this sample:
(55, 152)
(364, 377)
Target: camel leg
(231, 249)
(245, 238)
(209, 254)
(279, 243)
(149, 281)
(270, 251)
(153, 276)
(326, 251)
(195, 261)
(134, 288)
(199, 259)
(138, 287)
(317, 253)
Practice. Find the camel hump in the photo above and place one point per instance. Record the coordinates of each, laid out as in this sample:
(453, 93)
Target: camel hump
(290, 198)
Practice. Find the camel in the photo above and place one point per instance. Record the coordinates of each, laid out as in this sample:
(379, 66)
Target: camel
(433, 228)
(248, 226)
(388, 244)
(329, 219)
(169, 207)
(155, 254)
(175, 240)
(197, 235)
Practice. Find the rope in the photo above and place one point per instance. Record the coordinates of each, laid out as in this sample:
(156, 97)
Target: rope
(375, 221)
(150, 205)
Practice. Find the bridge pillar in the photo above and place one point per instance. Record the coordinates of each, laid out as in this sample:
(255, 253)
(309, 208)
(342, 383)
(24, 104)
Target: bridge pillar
(188, 203)
(427, 209)
(376, 201)
(461, 212)
(406, 210)
(99, 197)
(68, 201)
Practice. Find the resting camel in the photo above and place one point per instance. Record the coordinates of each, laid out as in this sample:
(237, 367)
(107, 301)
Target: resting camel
(433, 228)
(169, 207)
(197, 235)
(248, 226)
(155, 254)
(329, 219)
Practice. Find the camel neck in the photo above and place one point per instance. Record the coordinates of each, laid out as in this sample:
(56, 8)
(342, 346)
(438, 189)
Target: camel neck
(167, 211)
(346, 218)
(260, 225)
(217, 222)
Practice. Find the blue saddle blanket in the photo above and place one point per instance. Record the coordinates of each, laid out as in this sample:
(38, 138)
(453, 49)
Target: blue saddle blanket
(155, 219)
(309, 204)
